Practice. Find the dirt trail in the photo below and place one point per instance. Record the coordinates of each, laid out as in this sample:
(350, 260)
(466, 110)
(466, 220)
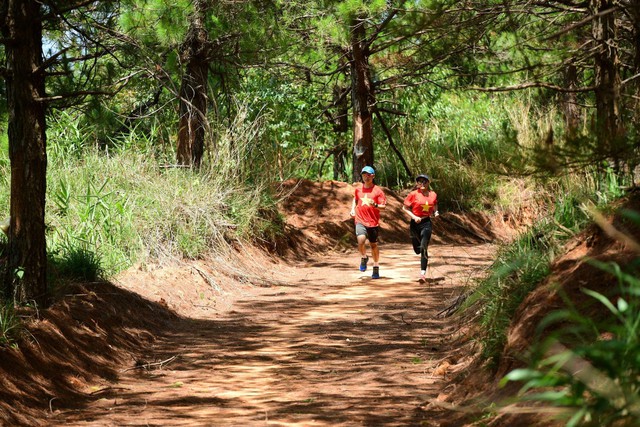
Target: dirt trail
(327, 346)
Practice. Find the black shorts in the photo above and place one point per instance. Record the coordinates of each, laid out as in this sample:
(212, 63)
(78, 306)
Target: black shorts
(370, 232)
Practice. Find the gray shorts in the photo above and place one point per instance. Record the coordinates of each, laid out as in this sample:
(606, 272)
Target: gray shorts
(370, 232)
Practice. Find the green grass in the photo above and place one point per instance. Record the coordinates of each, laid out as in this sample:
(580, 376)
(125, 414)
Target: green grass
(591, 367)
(110, 209)
(517, 270)
(455, 139)
(76, 263)
(10, 325)
(523, 264)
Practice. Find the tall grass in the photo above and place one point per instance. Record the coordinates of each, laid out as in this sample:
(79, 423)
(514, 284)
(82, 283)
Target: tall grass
(10, 325)
(516, 271)
(591, 367)
(110, 207)
(522, 264)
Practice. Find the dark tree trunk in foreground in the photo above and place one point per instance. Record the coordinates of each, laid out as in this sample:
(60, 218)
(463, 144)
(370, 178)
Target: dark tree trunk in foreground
(193, 91)
(25, 278)
(361, 94)
(607, 79)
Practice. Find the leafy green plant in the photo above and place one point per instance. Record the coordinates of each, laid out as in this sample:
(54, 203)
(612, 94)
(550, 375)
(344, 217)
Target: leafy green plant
(69, 138)
(62, 197)
(592, 366)
(90, 211)
(610, 186)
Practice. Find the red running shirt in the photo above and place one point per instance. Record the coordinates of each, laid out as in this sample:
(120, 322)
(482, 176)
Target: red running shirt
(366, 214)
(421, 205)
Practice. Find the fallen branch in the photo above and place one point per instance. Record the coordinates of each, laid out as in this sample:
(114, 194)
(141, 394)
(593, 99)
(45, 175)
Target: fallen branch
(208, 279)
(148, 365)
(402, 317)
(448, 311)
(93, 393)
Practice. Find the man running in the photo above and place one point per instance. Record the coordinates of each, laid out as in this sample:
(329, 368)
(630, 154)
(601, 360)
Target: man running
(367, 202)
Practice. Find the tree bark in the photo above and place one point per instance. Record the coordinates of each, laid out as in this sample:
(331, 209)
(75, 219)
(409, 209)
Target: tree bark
(193, 91)
(633, 10)
(361, 96)
(25, 277)
(340, 127)
(570, 102)
(609, 129)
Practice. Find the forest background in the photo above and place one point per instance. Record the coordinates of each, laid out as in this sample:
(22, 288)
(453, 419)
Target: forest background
(151, 129)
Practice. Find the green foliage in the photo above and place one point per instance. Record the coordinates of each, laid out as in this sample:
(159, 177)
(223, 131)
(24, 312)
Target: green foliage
(5, 176)
(453, 138)
(293, 139)
(70, 139)
(538, 143)
(610, 186)
(109, 210)
(257, 217)
(10, 324)
(596, 379)
(90, 210)
(522, 264)
(76, 262)
(517, 270)
(156, 20)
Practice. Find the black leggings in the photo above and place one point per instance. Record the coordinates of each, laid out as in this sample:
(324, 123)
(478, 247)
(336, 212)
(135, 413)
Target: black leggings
(420, 237)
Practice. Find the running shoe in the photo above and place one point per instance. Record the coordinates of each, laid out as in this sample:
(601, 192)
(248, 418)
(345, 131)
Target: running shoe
(376, 272)
(422, 278)
(363, 263)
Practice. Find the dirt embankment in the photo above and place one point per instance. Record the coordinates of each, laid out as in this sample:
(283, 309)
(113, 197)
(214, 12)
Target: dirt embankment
(97, 331)
(571, 272)
(103, 331)
(317, 219)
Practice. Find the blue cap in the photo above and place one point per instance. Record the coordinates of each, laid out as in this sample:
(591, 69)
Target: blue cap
(368, 169)
(423, 176)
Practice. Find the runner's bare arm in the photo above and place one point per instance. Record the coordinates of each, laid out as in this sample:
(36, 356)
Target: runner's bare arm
(407, 209)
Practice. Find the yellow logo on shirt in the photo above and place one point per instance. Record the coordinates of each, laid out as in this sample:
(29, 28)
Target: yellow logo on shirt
(367, 201)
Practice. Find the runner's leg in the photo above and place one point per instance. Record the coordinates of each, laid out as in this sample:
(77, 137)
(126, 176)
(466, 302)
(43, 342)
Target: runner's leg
(414, 232)
(425, 238)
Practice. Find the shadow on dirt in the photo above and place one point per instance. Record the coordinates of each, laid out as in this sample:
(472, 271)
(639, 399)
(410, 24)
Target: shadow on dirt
(98, 331)
(315, 349)
(91, 332)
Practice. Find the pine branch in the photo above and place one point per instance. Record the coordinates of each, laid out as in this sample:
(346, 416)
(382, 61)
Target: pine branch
(77, 94)
(532, 85)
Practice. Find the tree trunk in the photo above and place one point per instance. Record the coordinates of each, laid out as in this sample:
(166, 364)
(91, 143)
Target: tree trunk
(193, 91)
(570, 102)
(26, 274)
(361, 95)
(633, 9)
(607, 81)
(340, 127)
